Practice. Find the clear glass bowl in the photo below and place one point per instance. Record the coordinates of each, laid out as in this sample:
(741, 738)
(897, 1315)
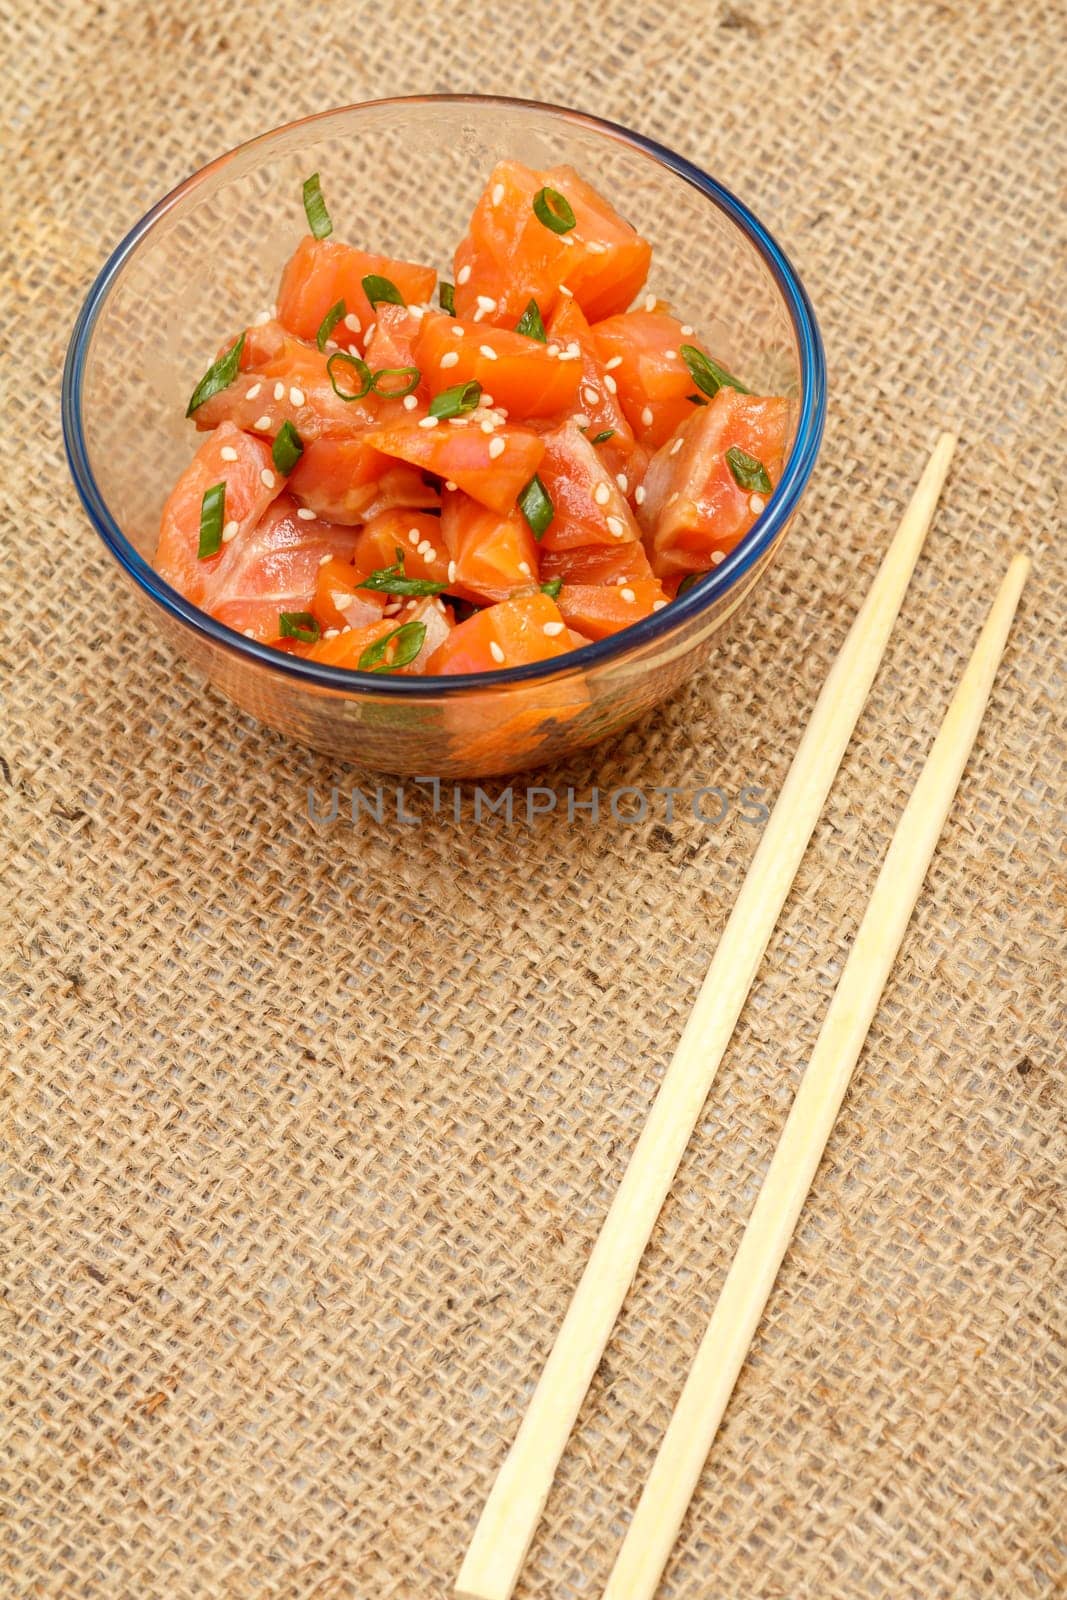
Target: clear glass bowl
(402, 176)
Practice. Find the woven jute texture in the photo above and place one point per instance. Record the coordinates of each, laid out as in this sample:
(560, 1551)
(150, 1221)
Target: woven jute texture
(309, 1126)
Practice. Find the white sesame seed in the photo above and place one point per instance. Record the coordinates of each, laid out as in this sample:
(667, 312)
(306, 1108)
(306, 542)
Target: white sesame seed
(552, 349)
(279, 391)
(266, 477)
(563, 289)
(325, 560)
(616, 527)
(686, 329)
(369, 335)
(260, 318)
(717, 556)
(463, 275)
(331, 633)
(414, 536)
(639, 494)
(456, 330)
(629, 596)
(249, 633)
(568, 355)
(458, 422)
(427, 422)
(417, 311)
(497, 447)
(449, 359)
(568, 239)
(228, 453)
(307, 515)
(486, 303)
(580, 419)
(646, 417)
(331, 344)
(574, 349)
(497, 194)
(450, 485)
(650, 302)
(478, 314)
(670, 355)
(595, 247)
(589, 394)
(609, 383)
(524, 568)
(495, 651)
(250, 394)
(410, 402)
(616, 361)
(485, 399)
(352, 322)
(601, 494)
(487, 351)
(756, 503)
(425, 548)
(552, 628)
(623, 482)
(296, 396)
(391, 609)
(451, 572)
(262, 422)
(657, 605)
(676, 446)
(230, 531)
(488, 425)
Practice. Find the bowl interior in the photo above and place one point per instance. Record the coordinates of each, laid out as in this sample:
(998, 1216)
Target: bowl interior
(400, 178)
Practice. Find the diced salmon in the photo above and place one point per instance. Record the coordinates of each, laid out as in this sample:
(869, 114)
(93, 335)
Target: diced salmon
(605, 608)
(510, 634)
(416, 533)
(598, 397)
(323, 271)
(588, 505)
(339, 602)
(251, 485)
(620, 562)
(510, 257)
(349, 481)
(491, 554)
(463, 455)
(694, 510)
(518, 372)
(642, 351)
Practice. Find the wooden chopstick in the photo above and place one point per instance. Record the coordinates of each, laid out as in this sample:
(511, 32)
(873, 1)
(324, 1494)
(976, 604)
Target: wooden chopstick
(510, 1516)
(740, 1305)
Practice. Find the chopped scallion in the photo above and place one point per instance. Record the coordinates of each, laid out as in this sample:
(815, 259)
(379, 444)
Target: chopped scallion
(359, 366)
(408, 639)
(536, 506)
(299, 625)
(393, 580)
(329, 323)
(552, 588)
(554, 210)
(218, 376)
(315, 208)
(212, 514)
(378, 289)
(708, 376)
(749, 473)
(457, 401)
(446, 294)
(287, 448)
(530, 323)
(602, 438)
(411, 375)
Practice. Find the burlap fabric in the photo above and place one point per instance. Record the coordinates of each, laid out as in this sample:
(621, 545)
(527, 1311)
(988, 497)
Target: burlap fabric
(309, 1127)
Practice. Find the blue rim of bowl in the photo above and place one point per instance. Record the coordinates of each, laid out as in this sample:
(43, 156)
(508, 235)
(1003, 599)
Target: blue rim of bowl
(712, 586)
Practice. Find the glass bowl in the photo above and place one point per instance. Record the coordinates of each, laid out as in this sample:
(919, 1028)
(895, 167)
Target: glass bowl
(402, 177)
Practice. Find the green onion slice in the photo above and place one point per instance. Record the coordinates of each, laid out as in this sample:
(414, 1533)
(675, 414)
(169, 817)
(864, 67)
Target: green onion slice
(748, 472)
(359, 366)
(602, 438)
(530, 323)
(299, 625)
(287, 448)
(382, 289)
(688, 582)
(218, 376)
(446, 294)
(707, 374)
(552, 588)
(315, 208)
(329, 323)
(409, 639)
(696, 399)
(554, 210)
(212, 515)
(458, 401)
(393, 580)
(412, 376)
(536, 506)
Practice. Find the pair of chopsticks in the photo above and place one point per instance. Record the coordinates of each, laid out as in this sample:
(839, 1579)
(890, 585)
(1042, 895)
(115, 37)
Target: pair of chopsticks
(513, 1509)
